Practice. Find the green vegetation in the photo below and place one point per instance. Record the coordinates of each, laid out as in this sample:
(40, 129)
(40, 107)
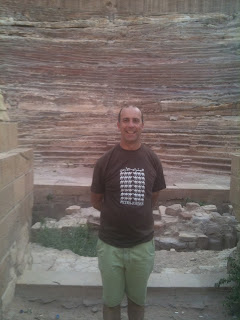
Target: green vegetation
(232, 301)
(81, 240)
(49, 197)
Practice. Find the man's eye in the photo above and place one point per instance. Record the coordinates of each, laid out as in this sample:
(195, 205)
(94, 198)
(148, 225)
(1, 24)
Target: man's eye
(136, 120)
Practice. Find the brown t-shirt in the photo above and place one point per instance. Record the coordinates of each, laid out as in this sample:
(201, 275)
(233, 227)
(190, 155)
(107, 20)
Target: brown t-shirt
(127, 179)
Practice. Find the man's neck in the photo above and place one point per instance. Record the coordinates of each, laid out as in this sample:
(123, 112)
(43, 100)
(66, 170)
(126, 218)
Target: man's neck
(130, 146)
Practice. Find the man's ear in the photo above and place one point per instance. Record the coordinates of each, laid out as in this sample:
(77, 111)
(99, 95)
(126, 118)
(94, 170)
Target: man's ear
(118, 125)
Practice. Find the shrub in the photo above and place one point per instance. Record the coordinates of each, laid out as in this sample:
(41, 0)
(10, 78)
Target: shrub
(81, 240)
(232, 301)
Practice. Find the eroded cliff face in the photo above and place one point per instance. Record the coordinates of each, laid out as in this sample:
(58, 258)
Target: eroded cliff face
(68, 66)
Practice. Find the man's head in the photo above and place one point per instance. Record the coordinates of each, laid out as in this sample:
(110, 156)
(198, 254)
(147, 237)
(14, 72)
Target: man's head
(130, 124)
(120, 112)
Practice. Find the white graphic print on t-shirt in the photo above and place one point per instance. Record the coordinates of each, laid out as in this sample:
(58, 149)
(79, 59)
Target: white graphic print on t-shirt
(132, 186)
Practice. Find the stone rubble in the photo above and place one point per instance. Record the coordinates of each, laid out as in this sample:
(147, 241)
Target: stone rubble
(183, 228)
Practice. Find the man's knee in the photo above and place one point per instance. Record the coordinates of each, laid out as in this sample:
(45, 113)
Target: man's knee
(111, 313)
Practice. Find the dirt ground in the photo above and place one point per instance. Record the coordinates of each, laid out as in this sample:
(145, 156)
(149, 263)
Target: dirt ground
(50, 311)
(81, 174)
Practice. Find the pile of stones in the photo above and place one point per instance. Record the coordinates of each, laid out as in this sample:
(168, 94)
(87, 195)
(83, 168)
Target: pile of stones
(194, 227)
(183, 228)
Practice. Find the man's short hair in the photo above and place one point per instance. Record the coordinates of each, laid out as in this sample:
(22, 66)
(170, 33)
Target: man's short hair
(119, 114)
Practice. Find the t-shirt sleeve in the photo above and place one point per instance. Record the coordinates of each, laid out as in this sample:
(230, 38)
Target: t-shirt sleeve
(159, 183)
(97, 180)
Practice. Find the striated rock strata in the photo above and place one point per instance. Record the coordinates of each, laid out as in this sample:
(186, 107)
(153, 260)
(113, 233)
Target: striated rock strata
(67, 67)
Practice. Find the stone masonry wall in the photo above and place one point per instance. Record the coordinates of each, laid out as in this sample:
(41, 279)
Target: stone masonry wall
(16, 201)
(235, 185)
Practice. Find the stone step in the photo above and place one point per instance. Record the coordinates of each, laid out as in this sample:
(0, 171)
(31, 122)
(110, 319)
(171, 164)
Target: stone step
(185, 290)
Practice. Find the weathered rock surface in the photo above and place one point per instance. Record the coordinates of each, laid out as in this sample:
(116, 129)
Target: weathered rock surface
(68, 67)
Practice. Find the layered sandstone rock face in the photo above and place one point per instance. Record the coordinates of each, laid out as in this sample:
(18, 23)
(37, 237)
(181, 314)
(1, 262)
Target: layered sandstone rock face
(68, 66)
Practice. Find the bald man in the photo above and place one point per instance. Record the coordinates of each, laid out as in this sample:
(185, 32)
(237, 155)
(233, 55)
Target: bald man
(126, 184)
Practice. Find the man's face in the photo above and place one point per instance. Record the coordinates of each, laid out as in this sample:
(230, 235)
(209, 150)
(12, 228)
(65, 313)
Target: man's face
(130, 126)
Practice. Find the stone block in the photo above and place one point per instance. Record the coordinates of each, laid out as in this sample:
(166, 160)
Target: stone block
(229, 240)
(8, 295)
(215, 244)
(209, 208)
(167, 243)
(162, 210)
(4, 272)
(28, 182)
(169, 220)
(215, 216)
(7, 169)
(203, 220)
(8, 136)
(8, 232)
(90, 212)
(19, 189)
(173, 210)
(202, 242)
(187, 236)
(156, 215)
(6, 200)
(191, 245)
(191, 206)
(235, 165)
(185, 215)
(23, 161)
(73, 209)
(213, 229)
(235, 190)
(11, 225)
(159, 226)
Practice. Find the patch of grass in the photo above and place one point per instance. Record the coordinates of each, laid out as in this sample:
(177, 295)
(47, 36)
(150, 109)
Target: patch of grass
(232, 301)
(81, 240)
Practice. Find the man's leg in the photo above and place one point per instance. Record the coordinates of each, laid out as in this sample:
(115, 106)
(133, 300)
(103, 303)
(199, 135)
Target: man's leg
(111, 313)
(135, 312)
(139, 266)
(113, 279)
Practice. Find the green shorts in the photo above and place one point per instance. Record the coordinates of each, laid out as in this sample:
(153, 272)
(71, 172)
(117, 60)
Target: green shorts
(125, 270)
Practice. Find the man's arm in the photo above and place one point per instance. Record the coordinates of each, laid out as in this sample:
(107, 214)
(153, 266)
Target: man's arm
(155, 197)
(97, 200)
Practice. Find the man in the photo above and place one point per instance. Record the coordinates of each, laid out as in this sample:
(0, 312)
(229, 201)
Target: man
(125, 187)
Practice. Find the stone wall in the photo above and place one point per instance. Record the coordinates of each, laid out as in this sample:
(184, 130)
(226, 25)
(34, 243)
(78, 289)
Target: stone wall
(235, 185)
(16, 201)
(52, 200)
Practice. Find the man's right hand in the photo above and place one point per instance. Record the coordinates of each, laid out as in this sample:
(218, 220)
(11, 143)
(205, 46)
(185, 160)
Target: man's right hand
(97, 200)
